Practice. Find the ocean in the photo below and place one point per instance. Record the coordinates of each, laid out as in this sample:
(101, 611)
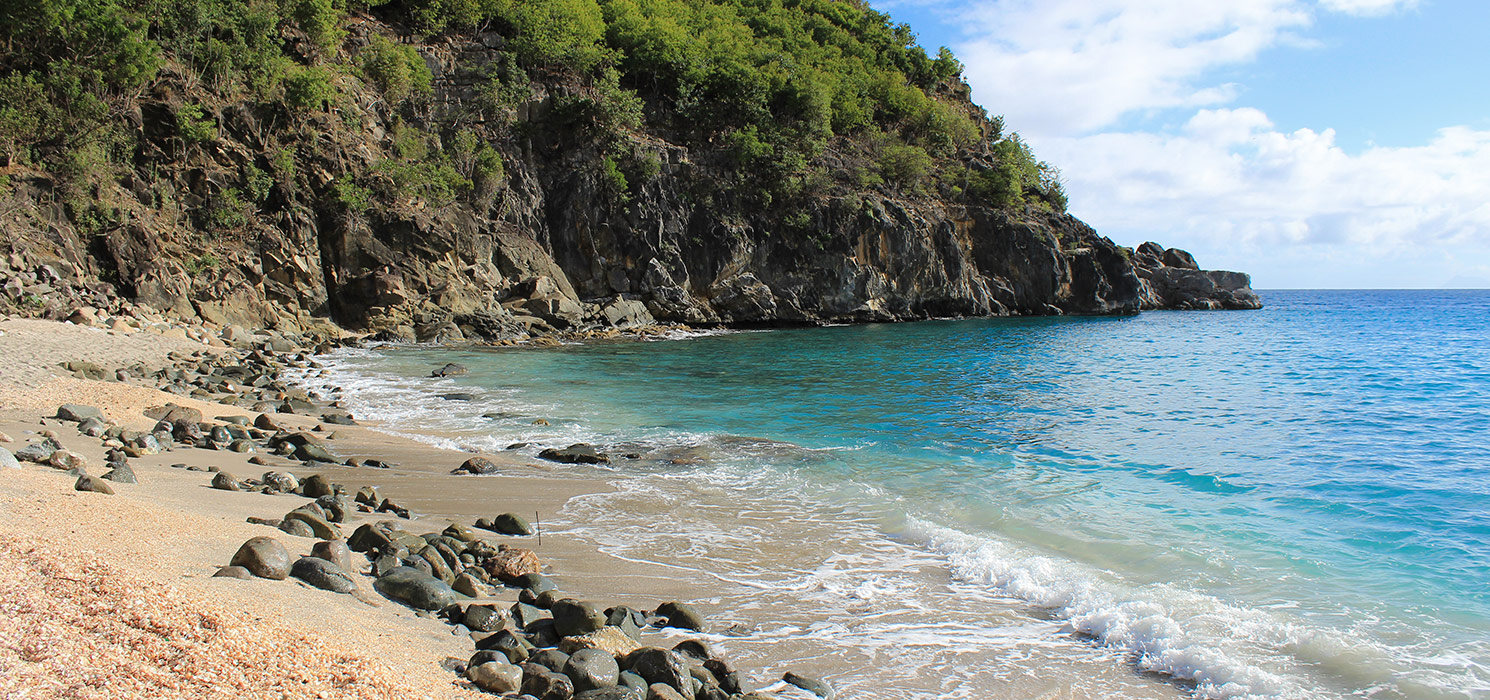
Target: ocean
(1286, 503)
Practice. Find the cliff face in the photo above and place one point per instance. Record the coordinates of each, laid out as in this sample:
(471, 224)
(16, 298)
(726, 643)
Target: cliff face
(559, 243)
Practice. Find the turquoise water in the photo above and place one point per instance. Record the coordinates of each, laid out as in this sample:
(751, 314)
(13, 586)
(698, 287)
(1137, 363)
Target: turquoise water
(1293, 502)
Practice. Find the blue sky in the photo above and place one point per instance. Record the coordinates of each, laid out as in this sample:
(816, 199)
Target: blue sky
(1312, 143)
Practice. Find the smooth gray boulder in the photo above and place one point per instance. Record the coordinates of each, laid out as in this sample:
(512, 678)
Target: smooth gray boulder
(8, 460)
(77, 413)
(574, 617)
(334, 551)
(88, 483)
(265, 557)
(592, 668)
(416, 589)
(121, 474)
(816, 686)
(323, 574)
(681, 615)
(496, 677)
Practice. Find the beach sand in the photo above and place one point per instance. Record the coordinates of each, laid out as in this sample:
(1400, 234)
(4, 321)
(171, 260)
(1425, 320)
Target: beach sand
(114, 595)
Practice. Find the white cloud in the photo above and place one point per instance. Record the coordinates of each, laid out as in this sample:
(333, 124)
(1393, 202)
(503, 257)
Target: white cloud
(1293, 207)
(1367, 8)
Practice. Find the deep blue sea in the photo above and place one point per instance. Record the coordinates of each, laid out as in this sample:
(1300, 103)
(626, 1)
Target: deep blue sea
(1292, 502)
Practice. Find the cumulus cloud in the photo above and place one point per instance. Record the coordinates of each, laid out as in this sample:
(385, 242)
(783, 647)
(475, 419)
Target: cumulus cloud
(1293, 205)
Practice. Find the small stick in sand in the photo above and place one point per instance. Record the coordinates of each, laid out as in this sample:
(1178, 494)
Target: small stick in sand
(538, 528)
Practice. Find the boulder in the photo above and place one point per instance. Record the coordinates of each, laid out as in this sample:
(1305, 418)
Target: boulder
(38, 452)
(233, 572)
(546, 684)
(318, 525)
(416, 589)
(77, 413)
(484, 618)
(574, 617)
(8, 460)
(281, 481)
(681, 616)
(323, 574)
(512, 647)
(63, 459)
(511, 524)
(658, 691)
(609, 639)
(657, 665)
(612, 693)
(173, 414)
(496, 677)
(316, 486)
(725, 675)
(225, 482)
(578, 453)
(592, 668)
(552, 659)
(265, 557)
(88, 483)
(121, 474)
(475, 465)
(334, 551)
(510, 563)
(450, 370)
(296, 527)
(816, 686)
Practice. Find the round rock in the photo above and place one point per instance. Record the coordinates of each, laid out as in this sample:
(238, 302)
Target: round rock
(591, 669)
(323, 574)
(496, 677)
(416, 589)
(265, 557)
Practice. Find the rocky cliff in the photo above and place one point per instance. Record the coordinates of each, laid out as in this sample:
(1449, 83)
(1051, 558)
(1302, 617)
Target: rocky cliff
(278, 217)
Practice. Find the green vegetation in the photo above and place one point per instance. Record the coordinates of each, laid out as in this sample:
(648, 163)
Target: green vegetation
(789, 99)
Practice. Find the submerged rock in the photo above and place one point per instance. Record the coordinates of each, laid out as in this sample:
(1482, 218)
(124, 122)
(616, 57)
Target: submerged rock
(578, 453)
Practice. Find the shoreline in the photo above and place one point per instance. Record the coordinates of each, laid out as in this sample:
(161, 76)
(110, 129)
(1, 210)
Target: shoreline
(124, 536)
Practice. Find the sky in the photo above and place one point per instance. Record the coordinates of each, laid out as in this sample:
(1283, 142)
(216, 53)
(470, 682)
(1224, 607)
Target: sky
(1311, 143)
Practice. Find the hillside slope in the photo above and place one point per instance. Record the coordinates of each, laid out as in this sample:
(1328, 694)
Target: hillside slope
(446, 169)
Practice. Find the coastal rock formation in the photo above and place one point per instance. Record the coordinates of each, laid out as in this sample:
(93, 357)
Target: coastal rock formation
(1171, 280)
(514, 196)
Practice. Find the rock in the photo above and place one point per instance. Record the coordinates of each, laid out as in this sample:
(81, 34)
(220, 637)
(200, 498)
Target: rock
(39, 452)
(630, 622)
(511, 524)
(657, 665)
(225, 482)
(634, 682)
(323, 574)
(496, 677)
(281, 481)
(574, 617)
(552, 659)
(338, 418)
(62, 459)
(609, 639)
(514, 648)
(297, 528)
(368, 537)
(316, 452)
(415, 589)
(546, 684)
(578, 453)
(460, 532)
(233, 572)
(121, 474)
(334, 551)
(510, 563)
(525, 615)
(450, 370)
(318, 525)
(88, 483)
(475, 465)
(334, 506)
(658, 691)
(467, 585)
(316, 486)
(173, 414)
(93, 427)
(265, 557)
(242, 446)
(681, 616)
(537, 583)
(484, 618)
(815, 686)
(6, 438)
(265, 422)
(77, 413)
(694, 650)
(8, 460)
(368, 495)
(726, 676)
(591, 669)
(611, 693)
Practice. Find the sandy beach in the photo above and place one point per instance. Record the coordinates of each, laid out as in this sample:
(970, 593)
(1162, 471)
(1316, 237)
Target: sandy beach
(113, 595)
